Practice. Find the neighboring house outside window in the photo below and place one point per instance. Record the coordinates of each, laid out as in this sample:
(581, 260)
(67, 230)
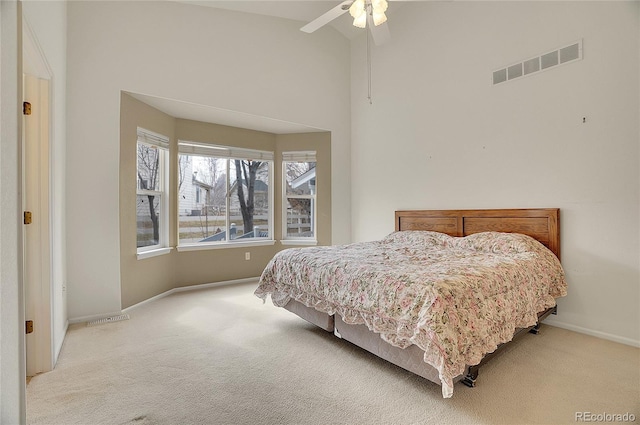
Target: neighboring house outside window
(152, 203)
(194, 194)
(299, 200)
(219, 203)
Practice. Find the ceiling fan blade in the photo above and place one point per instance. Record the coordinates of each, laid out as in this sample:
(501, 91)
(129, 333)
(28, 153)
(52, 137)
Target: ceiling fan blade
(329, 16)
(380, 33)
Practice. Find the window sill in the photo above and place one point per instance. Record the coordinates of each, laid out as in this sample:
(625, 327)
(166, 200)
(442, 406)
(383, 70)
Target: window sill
(299, 242)
(227, 245)
(153, 253)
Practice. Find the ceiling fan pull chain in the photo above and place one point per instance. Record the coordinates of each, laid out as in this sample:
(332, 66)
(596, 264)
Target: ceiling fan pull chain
(369, 68)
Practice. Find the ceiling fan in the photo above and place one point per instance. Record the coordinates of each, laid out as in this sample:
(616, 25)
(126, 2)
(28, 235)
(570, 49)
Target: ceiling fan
(364, 12)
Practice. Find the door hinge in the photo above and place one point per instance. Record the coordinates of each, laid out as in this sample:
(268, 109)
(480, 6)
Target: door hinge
(26, 108)
(28, 217)
(29, 326)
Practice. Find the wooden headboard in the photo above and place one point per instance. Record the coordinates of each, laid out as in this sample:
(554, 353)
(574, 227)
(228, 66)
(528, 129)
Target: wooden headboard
(542, 224)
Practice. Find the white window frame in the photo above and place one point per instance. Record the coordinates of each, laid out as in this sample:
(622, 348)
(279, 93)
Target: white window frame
(161, 143)
(230, 153)
(299, 156)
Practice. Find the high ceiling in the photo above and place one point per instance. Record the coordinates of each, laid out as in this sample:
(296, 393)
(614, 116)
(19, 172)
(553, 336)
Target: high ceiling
(300, 10)
(303, 11)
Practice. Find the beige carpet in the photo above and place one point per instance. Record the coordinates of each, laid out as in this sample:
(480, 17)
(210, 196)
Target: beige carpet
(219, 356)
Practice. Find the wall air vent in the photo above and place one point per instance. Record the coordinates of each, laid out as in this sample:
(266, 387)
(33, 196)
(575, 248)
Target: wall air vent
(500, 76)
(110, 319)
(532, 65)
(549, 59)
(561, 56)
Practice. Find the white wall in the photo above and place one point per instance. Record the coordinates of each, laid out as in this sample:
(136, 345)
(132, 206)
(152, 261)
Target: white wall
(242, 62)
(446, 138)
(12, 363)
(48, 23)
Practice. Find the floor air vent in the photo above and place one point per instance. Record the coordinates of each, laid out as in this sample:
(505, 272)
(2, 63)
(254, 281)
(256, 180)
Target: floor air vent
(108, 320)
(561, 56)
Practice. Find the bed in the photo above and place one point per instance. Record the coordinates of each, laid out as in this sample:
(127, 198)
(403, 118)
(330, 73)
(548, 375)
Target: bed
(439, 296)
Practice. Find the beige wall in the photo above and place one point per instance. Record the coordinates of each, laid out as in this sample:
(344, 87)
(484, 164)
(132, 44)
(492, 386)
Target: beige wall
(143, 279)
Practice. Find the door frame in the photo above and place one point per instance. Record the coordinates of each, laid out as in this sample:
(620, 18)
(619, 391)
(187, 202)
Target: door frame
(36, 196)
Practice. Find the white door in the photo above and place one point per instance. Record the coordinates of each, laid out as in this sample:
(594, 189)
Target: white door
(36, 235)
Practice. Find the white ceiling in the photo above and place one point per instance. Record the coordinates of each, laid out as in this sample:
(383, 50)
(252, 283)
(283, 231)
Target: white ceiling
(300, 10)
(304, 11)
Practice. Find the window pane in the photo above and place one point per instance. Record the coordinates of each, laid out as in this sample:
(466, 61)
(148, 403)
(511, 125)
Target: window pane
(203, 199)
(148, 220)
(301, 178)
(202, 189)
(299, 220)
(249, 199)
(148, 167)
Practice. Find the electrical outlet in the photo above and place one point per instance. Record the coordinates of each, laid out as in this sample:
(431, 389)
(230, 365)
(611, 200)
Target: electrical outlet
(247, 256)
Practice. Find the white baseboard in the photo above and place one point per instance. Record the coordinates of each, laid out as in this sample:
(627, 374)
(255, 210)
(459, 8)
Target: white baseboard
(604, 335)
(93, 317)
(192, 288)
(58, 347)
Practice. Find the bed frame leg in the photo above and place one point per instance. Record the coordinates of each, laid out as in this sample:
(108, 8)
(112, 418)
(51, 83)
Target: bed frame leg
(472, 374)
(536, 329)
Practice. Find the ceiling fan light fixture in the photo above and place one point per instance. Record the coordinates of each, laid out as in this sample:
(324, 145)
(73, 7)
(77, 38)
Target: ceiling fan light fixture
(379, 6)
(361, 20)
(357, 8)
(360, 8)
(379, 18)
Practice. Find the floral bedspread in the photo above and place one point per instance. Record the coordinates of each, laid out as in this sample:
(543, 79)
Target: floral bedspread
(457, 298)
